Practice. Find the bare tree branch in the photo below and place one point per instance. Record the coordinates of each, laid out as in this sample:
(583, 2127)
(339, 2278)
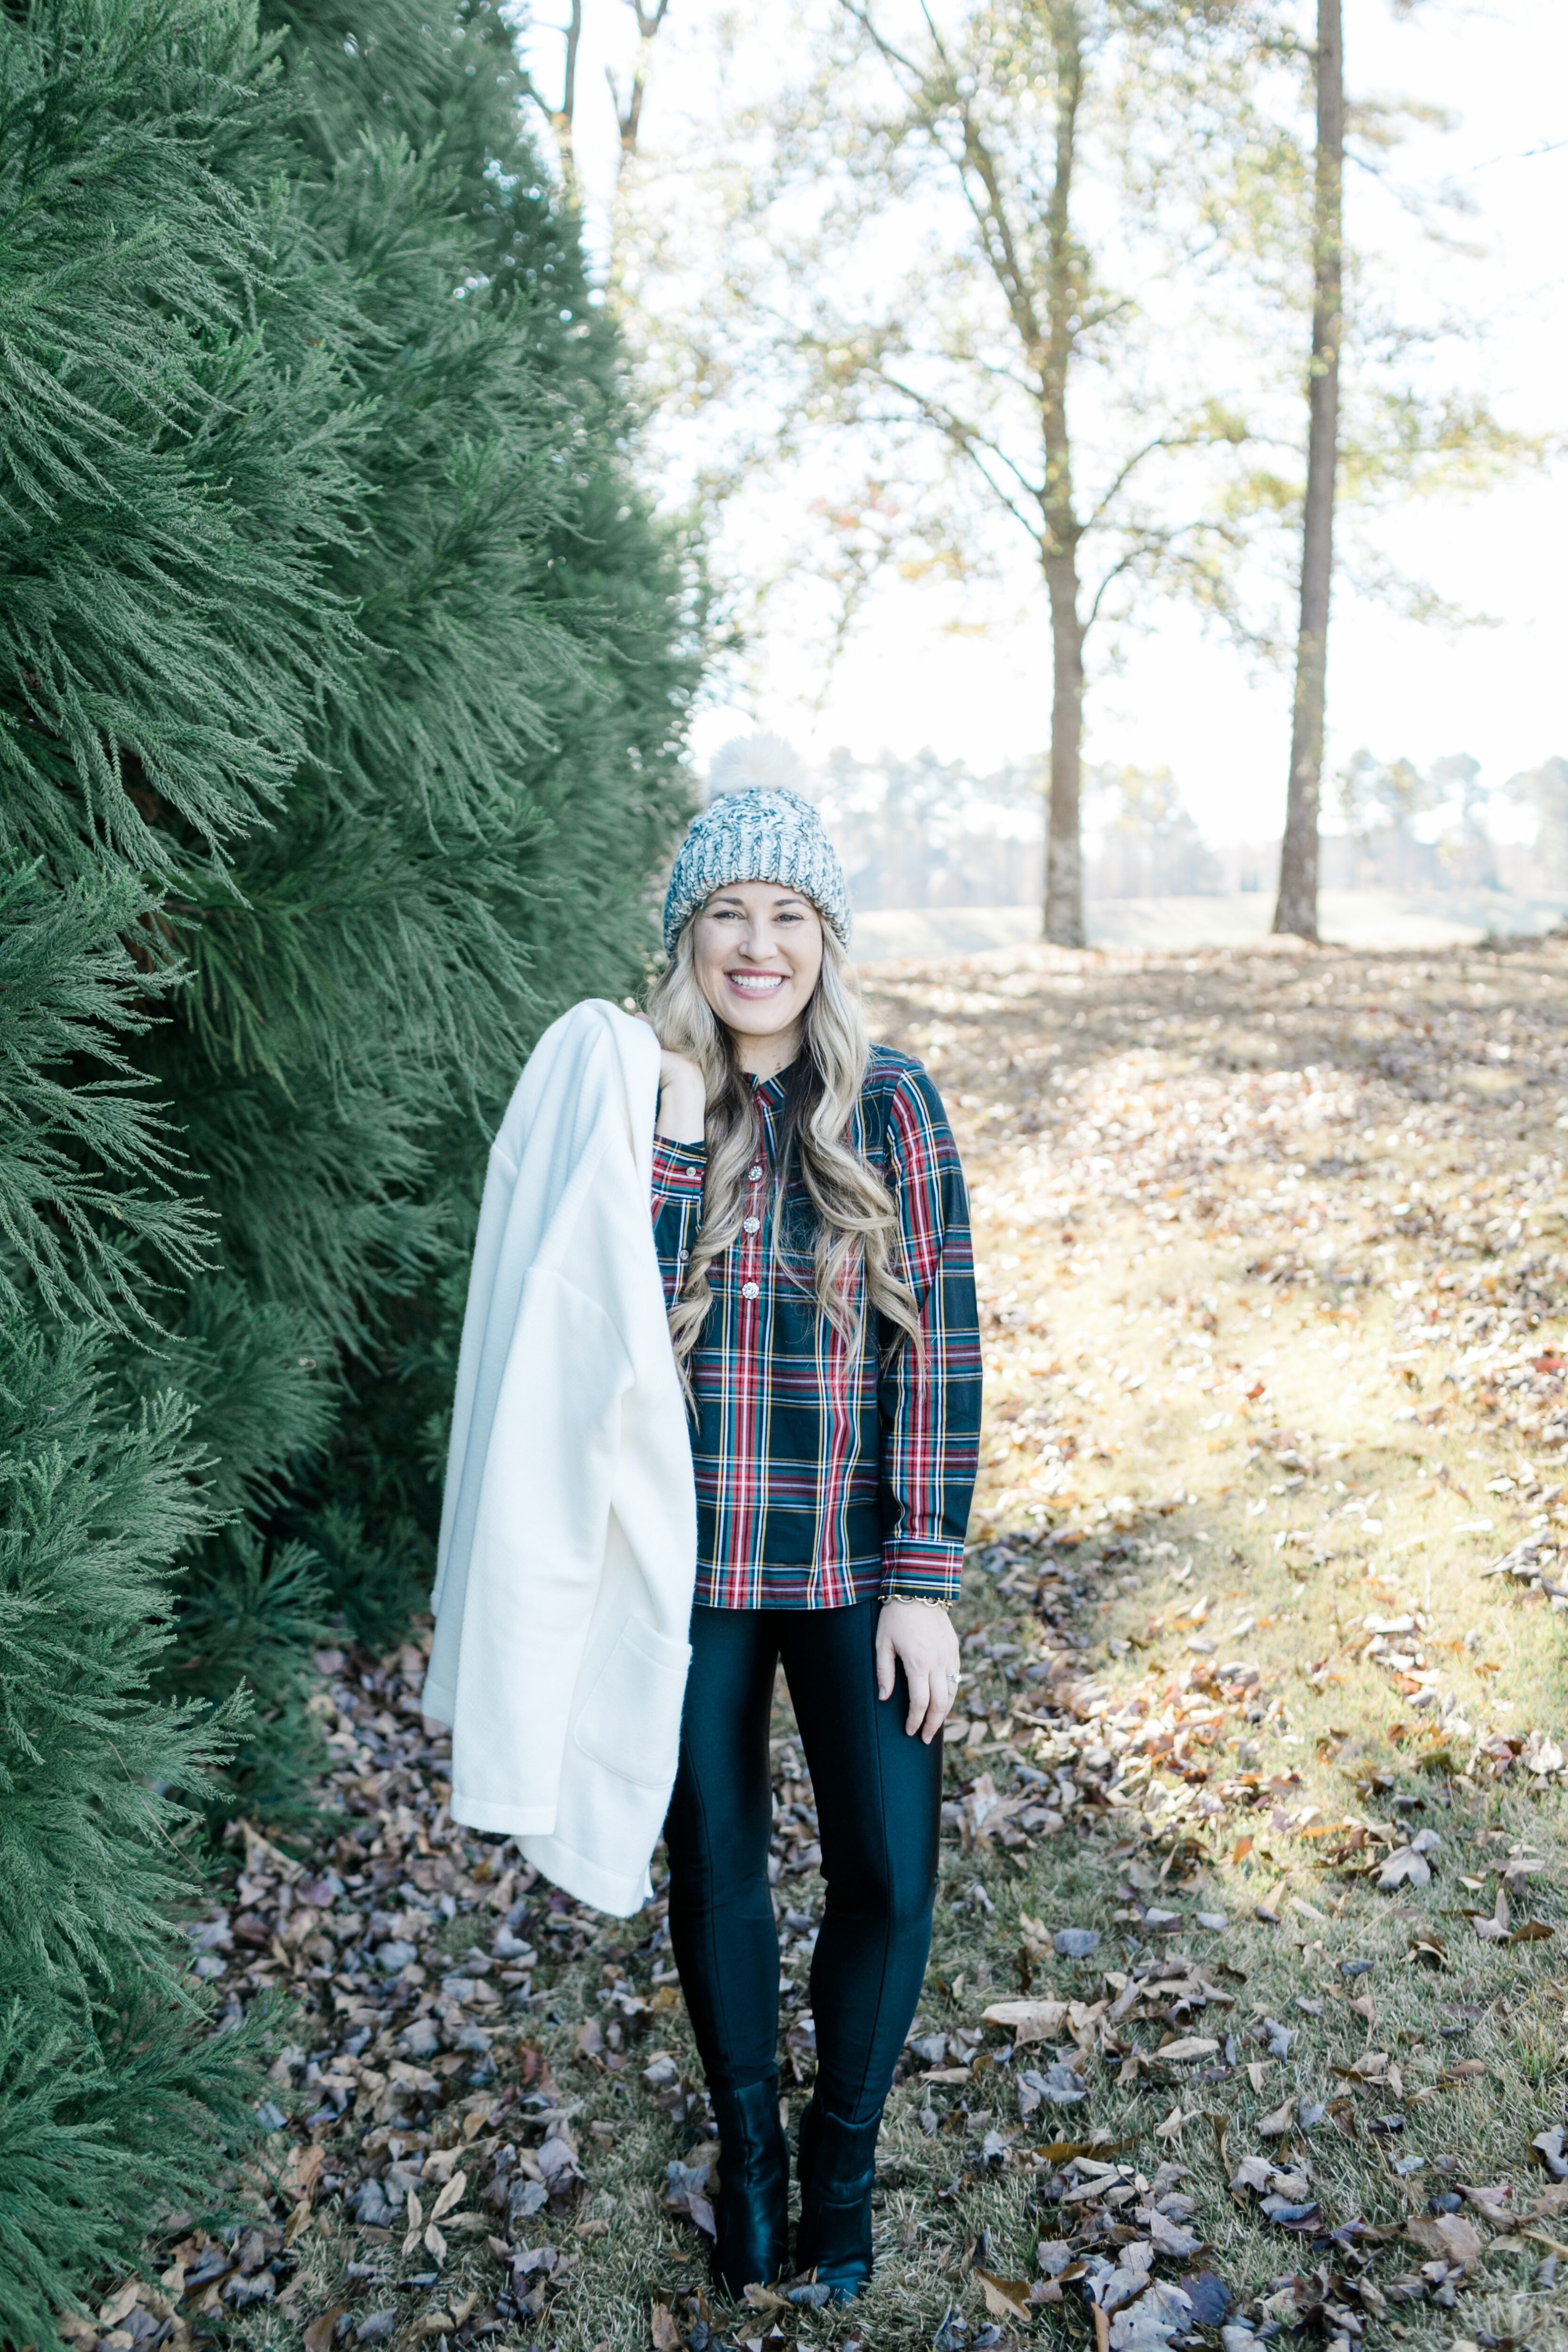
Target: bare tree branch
(628, 110)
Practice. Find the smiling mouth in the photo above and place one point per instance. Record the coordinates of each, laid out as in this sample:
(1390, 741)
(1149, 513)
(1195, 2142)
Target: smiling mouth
(756, 983)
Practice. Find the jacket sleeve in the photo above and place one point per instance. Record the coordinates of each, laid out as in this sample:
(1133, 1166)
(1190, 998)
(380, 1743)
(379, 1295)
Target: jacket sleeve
(678, 1172)
(930, 1395)
(484, 1315)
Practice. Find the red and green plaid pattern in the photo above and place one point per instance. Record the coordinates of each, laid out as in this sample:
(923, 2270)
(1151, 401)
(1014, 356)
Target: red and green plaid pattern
(825, 1477)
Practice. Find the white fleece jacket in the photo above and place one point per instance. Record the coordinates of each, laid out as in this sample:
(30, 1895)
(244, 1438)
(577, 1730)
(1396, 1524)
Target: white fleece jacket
(568, 1542)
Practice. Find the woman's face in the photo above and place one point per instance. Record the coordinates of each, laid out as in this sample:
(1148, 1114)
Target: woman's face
(757, 952)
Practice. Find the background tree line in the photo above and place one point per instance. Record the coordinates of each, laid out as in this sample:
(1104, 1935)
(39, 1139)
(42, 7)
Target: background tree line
(341, 713)
(926, 832)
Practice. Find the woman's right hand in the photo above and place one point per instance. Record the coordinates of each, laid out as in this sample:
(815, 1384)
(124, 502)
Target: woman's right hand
(682, 1098)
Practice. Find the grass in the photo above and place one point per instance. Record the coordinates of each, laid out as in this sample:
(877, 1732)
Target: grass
(1271, 1257)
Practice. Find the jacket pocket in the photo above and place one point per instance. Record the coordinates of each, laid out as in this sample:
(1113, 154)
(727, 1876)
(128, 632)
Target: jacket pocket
(630, 1720)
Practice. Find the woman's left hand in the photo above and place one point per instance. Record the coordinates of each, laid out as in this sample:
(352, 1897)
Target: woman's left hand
(921, 1641)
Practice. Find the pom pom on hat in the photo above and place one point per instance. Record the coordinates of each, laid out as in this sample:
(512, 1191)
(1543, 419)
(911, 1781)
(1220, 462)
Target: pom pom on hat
(759, 763)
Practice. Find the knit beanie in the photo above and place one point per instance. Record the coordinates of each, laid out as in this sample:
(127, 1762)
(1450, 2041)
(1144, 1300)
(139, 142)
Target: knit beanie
(755, 831)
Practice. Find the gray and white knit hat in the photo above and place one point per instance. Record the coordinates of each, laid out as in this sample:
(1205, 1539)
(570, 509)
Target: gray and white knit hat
(755, 830)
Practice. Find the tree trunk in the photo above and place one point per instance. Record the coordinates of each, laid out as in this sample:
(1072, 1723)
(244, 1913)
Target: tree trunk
(1064, 852)
(1296, 910)
(1062, 531)
(564, 122)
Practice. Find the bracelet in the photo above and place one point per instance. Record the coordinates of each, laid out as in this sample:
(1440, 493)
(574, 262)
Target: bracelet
(926, 1599)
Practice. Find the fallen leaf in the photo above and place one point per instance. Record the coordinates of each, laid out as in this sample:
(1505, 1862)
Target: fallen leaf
(1169, 2238)
(1405, 1867)
(1075, 1943)
(1005, 2298)
(1183, 2052)
(1252, 2172)
(1274, 2126)
(450, 2196)
(1027, 2020)
(665, 2335)
(1170, 2128)
(1059, 2086)
(303, 2168)
(526, 2259)
(1287, 2213)
(686, 2191)
(1449, 2235)
(121, 2304)
(1210, 2298)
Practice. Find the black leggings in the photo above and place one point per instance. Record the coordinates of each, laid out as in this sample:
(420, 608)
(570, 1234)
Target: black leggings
(878, 1798)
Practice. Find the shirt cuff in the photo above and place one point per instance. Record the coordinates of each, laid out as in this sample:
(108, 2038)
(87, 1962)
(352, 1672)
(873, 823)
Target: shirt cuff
(677, 1167)
(930, 1571)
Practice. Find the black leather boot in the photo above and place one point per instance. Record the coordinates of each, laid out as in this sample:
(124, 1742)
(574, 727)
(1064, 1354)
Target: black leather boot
(751, 2213)
(838, 2166)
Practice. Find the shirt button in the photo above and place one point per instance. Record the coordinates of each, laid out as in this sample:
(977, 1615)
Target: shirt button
(748, 1290)
(751, 1225)
(754, 1175)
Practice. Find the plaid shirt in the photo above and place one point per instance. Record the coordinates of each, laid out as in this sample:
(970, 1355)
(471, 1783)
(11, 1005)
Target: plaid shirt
(826, 1477)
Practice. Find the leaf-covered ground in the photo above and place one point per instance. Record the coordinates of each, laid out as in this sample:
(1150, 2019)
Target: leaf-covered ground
(1246, 2005)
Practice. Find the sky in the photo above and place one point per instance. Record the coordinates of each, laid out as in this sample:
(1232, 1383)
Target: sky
(905, 682)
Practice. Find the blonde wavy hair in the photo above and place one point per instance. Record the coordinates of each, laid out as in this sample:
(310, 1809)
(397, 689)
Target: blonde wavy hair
(856, 1224)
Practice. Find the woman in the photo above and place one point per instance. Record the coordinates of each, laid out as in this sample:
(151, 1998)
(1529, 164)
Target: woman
(812, 1227)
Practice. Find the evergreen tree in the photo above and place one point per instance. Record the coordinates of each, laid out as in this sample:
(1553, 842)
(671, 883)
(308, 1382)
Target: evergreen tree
(340, 710)
(588, 799)
(170, 476)
(465, 848)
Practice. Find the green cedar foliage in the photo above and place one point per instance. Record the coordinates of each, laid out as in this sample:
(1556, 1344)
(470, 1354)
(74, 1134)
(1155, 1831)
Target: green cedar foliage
(527, 693)
(165, 625)
(343, 675)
